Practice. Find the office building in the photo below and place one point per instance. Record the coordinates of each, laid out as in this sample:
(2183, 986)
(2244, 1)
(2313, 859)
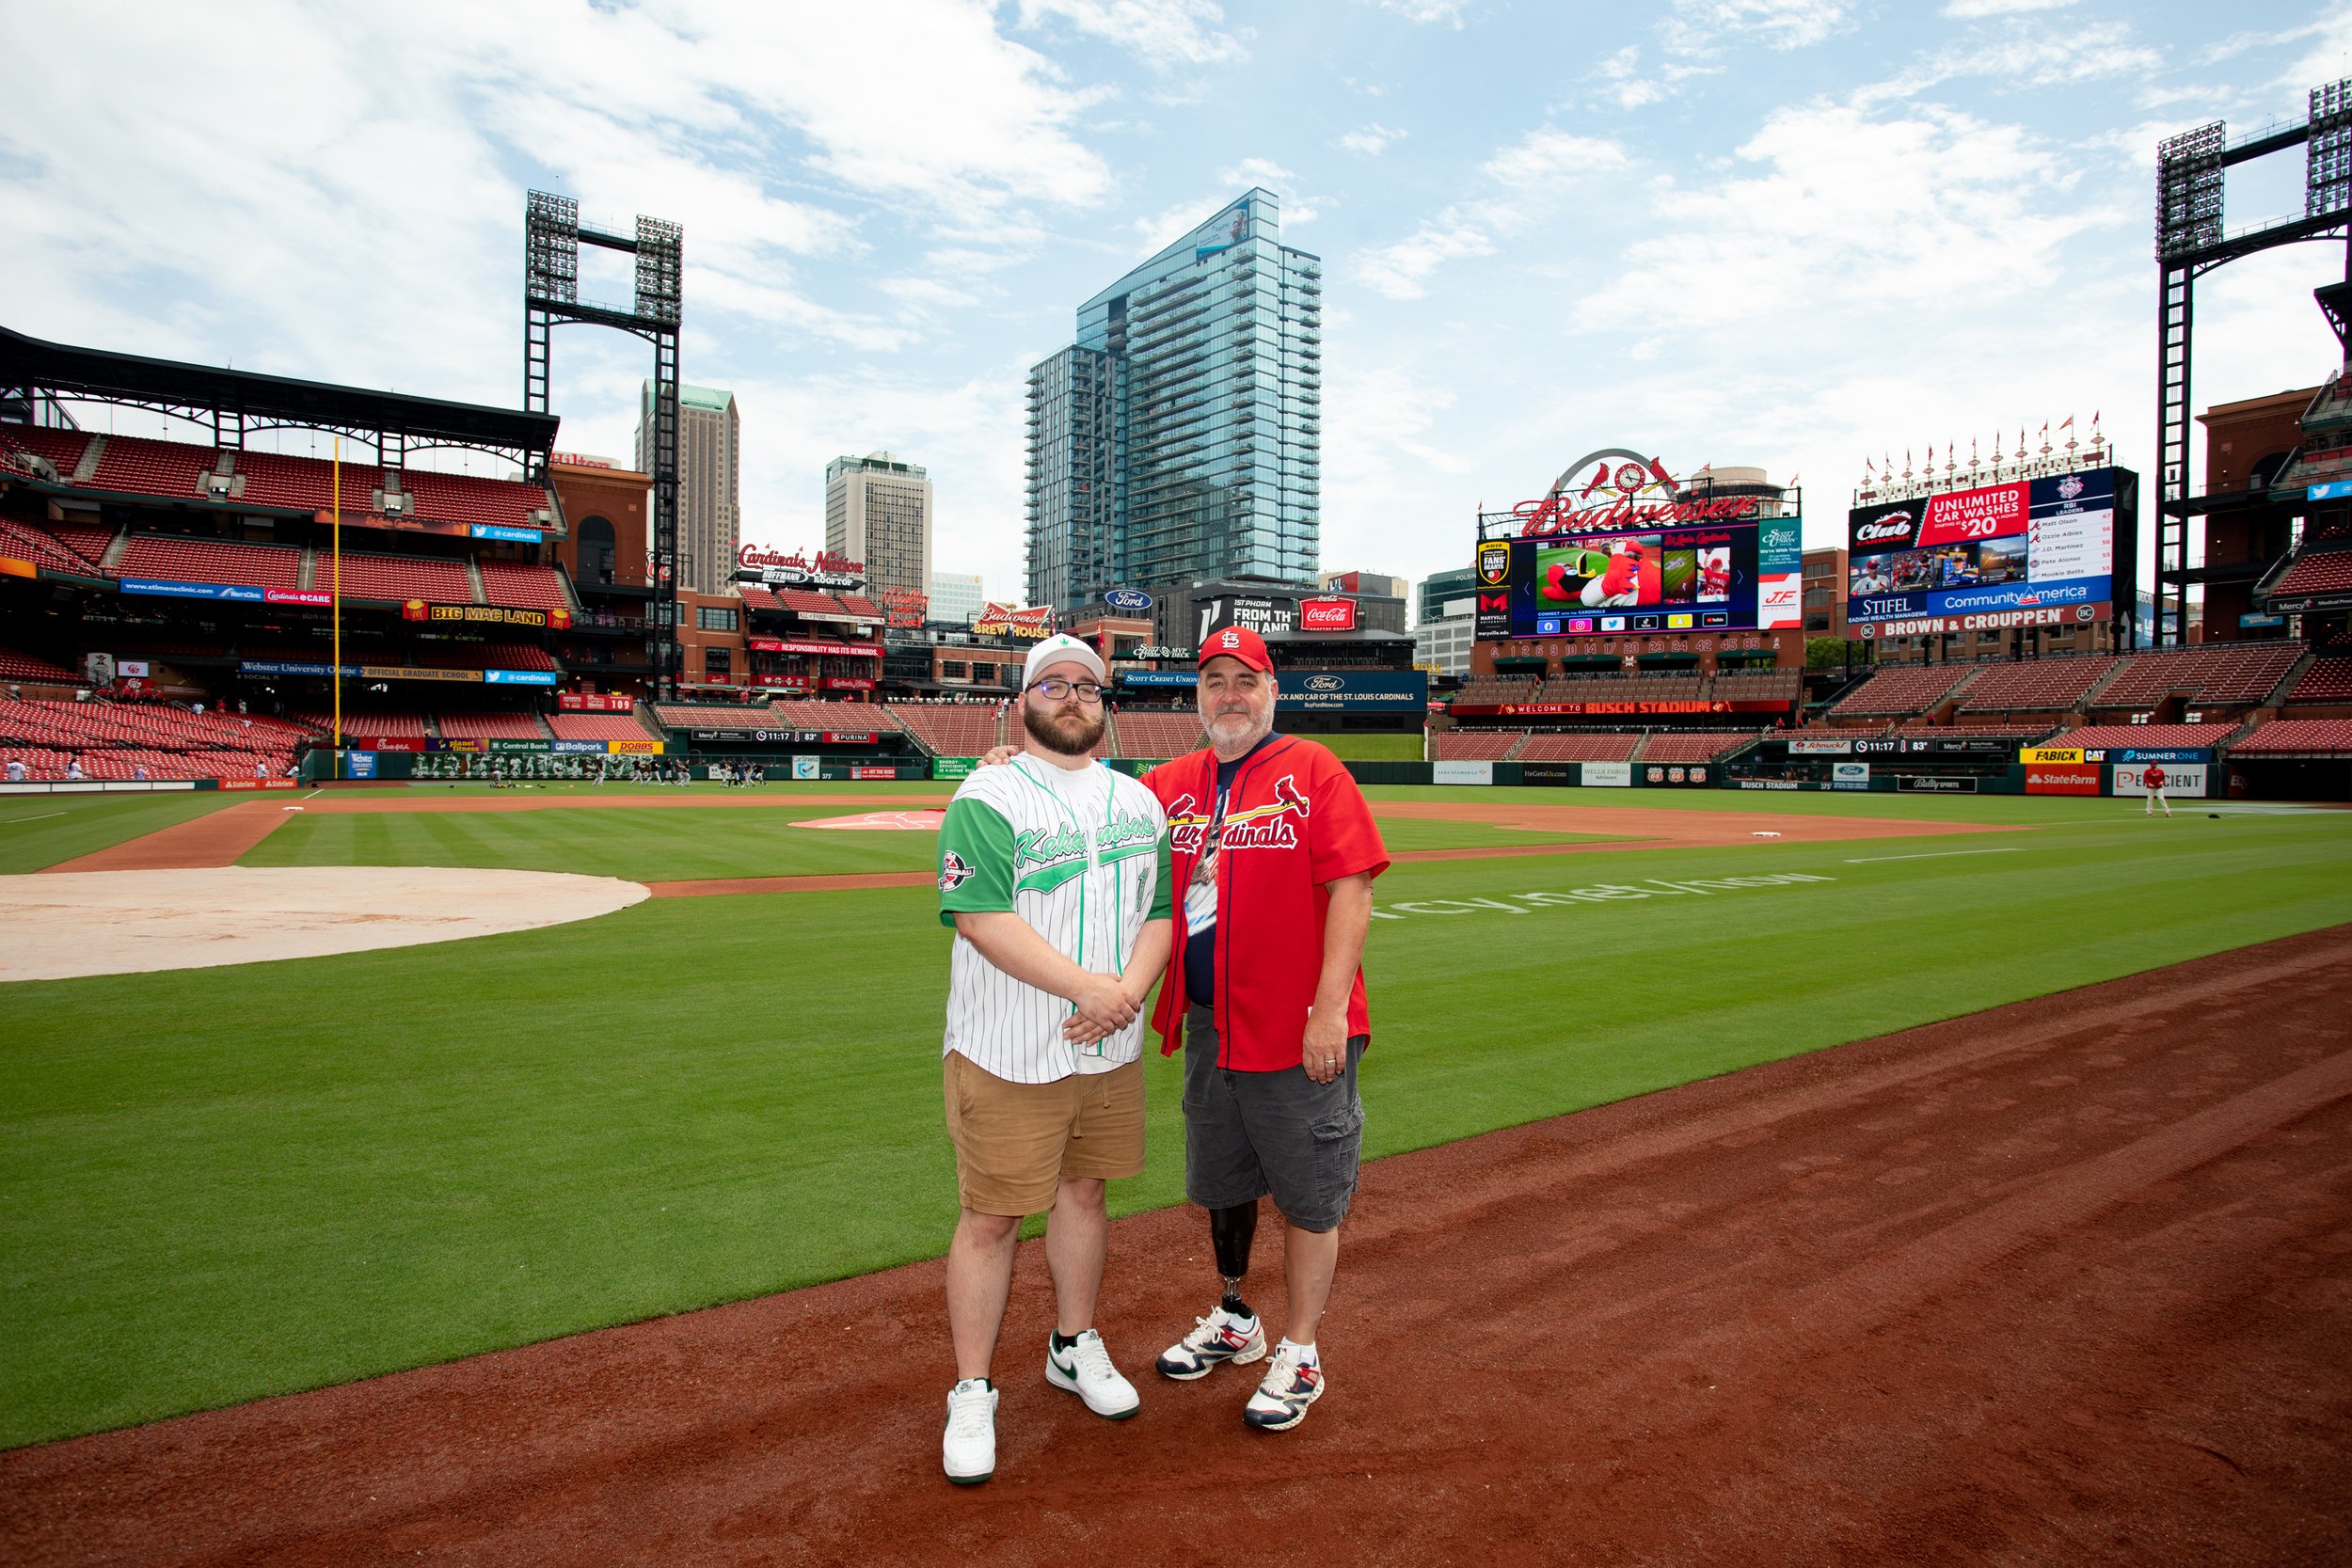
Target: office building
(878, 510)
(1380, 584)
(710, 483)
(1179, 438)
(956, 596)
(1441, 591)
(1443, 639)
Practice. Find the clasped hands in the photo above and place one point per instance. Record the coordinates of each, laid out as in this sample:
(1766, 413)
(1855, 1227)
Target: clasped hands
(1107, 1004)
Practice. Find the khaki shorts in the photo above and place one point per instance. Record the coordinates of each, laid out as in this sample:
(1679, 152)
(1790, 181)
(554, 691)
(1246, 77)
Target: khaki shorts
(1015, 1143)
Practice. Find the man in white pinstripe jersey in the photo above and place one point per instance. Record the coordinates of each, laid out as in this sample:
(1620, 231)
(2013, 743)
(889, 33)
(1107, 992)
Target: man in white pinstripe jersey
(1054, 872)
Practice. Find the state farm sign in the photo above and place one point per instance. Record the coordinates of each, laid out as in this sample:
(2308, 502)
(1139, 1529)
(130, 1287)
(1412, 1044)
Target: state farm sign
(1327, 615)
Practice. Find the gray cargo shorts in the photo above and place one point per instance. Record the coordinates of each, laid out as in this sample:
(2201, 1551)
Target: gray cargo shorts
(1251, 1134)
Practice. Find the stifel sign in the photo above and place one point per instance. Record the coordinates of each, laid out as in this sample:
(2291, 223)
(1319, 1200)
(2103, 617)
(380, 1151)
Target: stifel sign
(1610, 502)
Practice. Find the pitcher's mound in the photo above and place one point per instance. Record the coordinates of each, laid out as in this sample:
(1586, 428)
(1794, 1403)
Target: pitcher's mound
(924, 822)
(55, 927)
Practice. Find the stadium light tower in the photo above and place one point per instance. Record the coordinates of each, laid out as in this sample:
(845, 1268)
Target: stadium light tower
(2190, 241)
(552, 236)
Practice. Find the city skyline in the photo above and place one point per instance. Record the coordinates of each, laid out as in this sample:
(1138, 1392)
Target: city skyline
(1796, 235)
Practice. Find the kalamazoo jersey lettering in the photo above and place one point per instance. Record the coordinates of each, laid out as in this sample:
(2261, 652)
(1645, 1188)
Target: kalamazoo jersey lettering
(1081, 856)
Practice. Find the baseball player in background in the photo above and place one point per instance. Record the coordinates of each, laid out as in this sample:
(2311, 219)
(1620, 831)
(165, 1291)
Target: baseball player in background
(1054, 871)
(2152, 779)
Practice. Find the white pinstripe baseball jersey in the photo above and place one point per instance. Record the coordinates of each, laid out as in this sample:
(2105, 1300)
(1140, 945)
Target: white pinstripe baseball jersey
(1081, 855)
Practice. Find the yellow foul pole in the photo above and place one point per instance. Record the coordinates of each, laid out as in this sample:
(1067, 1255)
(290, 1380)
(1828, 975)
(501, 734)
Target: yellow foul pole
(335, 607)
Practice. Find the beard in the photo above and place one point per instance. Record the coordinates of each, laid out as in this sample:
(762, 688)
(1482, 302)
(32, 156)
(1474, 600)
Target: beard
(1069, 732)
(1238, 731)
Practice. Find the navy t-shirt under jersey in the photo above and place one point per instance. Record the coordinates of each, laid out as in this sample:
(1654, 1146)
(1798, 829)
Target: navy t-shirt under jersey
(1200, 933)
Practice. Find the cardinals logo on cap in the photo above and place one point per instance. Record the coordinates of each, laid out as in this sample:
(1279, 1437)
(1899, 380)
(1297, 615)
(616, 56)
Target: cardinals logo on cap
(1229, 639)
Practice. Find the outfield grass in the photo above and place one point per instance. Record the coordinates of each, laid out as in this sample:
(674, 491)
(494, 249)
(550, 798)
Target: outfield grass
(1372, 748)
(39, 831)
(220, 1183)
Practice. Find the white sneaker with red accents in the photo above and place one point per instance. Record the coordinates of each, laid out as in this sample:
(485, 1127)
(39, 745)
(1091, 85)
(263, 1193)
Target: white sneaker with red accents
(1289, 1387)
(1215, 1340)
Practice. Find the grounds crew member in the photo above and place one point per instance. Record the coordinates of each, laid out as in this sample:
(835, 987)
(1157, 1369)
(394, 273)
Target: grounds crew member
(1054, 871)
(1275, 850)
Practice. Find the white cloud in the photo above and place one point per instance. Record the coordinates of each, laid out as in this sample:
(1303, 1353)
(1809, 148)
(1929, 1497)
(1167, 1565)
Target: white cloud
(2026, 56)
(1549, 154)
(1698, 24)
(1164, 34)
(1372, 140)
(1401, 271)
(1256, 171)
(1425, 11)
(1970, 10)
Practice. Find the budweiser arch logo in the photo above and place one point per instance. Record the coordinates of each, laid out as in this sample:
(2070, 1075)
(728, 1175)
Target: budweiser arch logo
(1616, 488)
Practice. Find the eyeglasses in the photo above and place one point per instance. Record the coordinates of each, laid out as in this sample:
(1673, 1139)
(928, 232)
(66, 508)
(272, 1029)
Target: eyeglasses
(1056, 689)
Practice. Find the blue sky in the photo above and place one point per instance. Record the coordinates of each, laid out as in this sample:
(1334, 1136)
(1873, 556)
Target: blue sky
(1768, 232)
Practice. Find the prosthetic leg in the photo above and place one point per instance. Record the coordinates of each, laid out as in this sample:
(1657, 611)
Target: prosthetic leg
(1231, 1231)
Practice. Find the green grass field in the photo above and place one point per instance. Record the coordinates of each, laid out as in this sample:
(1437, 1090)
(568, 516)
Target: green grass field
(221, 1183)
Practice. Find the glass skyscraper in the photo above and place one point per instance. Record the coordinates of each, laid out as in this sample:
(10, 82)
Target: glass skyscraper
(1179, 437)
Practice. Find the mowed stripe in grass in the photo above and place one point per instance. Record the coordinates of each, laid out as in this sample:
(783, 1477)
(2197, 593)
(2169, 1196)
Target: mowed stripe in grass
(37, 832)
(222, 1183)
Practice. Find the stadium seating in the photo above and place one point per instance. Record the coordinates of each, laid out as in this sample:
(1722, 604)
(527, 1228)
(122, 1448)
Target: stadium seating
(847, 717)
(62, 448)
(1476, 744)
(715, 716)
(395, 577)
(1903, 688)
(1701, 747)
(2328, 680)
(115, 740)
(487, 724)
(1578, 748)
(465, 499)
(1511, 690)
(1158, 735)
(398, 723)
(1621, 688)
(172, 559)
(2324, 572)
(858, 604)
(756, 598)
(481, 656)
(90, 541)
(1756, 686)
(2044, 684)
(131, 465)
(15, 666)
(1981, 729)
(306, 484)
(2297, 737)
(950, 729)
(521, 587)
(597, 726)
(34, 543)
(2106, 737)
(2217, 672)
(801, 601)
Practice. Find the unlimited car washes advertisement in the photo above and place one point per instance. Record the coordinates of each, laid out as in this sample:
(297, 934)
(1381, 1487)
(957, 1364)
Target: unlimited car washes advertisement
(2037, 551)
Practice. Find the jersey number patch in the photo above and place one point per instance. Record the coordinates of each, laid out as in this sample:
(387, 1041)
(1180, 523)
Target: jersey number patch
(953, 873)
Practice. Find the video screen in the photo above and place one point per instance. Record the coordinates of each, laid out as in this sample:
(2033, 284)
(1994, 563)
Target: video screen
(2023, 546)
(1646, 580)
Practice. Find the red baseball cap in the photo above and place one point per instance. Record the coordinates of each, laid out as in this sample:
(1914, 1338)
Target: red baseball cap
(1237, 643)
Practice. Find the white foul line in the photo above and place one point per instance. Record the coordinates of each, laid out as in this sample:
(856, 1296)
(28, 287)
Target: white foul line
(1938, 855)
(43, 817)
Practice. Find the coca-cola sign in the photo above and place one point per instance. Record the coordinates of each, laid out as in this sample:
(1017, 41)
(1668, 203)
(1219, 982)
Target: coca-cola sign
(1327, 615)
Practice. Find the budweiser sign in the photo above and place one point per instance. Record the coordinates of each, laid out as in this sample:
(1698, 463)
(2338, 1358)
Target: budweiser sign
(1327, 615)
(1619, 495)
(1004, 620)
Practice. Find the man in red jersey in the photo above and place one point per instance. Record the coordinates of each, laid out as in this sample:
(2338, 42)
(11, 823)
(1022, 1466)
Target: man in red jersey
(1274, 851)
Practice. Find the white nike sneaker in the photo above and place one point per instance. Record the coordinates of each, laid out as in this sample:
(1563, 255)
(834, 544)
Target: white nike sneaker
(1084, 1370)
(1214, 1341)
(969, 1450)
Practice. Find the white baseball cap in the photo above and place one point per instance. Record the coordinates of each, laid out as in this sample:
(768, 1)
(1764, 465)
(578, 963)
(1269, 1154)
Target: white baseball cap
(1061, 648)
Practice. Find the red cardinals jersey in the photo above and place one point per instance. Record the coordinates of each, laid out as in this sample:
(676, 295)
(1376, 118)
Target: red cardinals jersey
(1294, 821)
(2153, 778)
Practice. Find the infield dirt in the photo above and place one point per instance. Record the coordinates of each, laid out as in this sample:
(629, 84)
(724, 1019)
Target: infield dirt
(2065, 1282)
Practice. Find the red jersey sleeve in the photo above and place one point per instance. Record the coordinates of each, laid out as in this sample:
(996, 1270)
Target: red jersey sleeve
(1341, 838)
